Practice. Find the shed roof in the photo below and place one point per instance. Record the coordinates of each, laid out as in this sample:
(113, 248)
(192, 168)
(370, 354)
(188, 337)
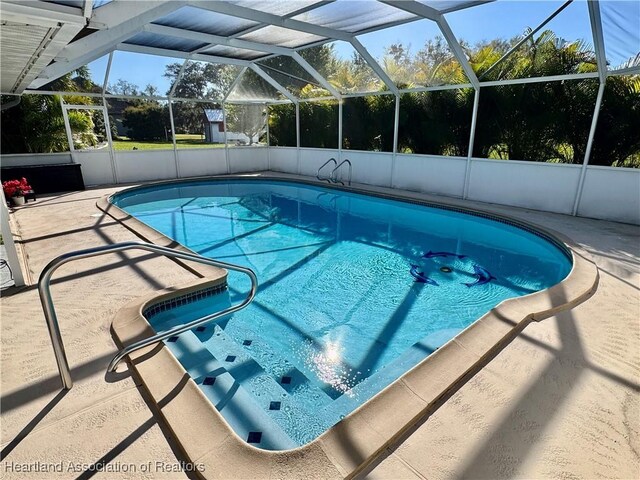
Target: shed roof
(214, 115)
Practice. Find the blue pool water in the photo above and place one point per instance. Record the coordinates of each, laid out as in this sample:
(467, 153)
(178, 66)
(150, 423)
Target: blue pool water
(354, 291)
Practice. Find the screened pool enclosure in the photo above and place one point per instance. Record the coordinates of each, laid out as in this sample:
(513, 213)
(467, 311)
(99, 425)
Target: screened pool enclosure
(533, 104)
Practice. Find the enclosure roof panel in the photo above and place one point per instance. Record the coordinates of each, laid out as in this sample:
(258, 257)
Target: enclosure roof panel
(277, 7)
(79, 3)
(231, 52)
(282, 37)
(353, 16)
(204, 21)
(445, 6)
(148, 39)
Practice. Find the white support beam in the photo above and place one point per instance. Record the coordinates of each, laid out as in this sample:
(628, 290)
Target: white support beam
(226, 140)
(457, 50)
(237, 43)
(107, 126)
(234, 83)
(411, 6)
(163, 52)
(598, 38)
(435, 88)
(525, 38)
(244, 44)
(120, 28)
(550, 78)
(178, 78)
(273, 83)
(375, 66)
(396, 129)
(316, 75)
(87, 9)
(587, 154)
(107, 72)
(125, 97)
(472, 136)
(215, 40)
(624, 71)
(82, 107)
(298, 138)
(340, 134)
(12, 252)
(464, 6)
(173, 139)
(67, 128)
(288, 15)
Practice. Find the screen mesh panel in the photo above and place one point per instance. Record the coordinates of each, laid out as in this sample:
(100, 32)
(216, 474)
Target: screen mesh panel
(415, 55)
(621, 30)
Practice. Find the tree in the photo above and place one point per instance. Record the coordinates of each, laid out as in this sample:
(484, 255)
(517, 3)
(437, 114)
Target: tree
(199, 80)
(146, 121)
(36, 124)
(248, 119)
(282, 125)
(436, 122)
(123, 87)
(616, 139)
(290, 74)
(543, 121)
(319, 124)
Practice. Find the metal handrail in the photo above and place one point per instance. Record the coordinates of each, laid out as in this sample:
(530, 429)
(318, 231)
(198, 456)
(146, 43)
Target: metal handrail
(52, 319)
(328, 179)
(333, 172)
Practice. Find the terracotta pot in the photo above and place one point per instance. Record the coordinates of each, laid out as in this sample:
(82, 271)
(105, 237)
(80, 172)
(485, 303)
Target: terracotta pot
(17, 201)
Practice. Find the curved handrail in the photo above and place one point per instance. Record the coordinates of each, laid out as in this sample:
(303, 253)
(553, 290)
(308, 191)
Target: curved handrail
(333, 172)
(52, 319)
(328, 179)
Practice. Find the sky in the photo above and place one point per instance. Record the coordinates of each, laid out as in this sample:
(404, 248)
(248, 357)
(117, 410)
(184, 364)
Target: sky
(502, 19)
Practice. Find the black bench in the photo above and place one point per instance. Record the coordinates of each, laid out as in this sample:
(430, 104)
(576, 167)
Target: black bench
(59, 177)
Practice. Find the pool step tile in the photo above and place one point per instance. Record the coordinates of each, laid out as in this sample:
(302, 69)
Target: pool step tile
(298, 385)
(264, 353)
(188, 349)
(222, 366)
(248, 418)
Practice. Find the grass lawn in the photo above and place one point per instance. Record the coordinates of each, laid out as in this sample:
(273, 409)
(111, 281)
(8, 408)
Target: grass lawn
(182, 140)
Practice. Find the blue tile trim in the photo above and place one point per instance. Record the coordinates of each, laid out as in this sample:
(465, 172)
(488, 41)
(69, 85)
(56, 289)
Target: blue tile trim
(153, 310)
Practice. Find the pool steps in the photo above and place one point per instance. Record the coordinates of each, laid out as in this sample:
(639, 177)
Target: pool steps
(211, 353)
(234, 379)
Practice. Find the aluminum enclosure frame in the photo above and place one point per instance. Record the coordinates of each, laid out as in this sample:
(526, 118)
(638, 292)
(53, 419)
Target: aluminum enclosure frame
(114, 32)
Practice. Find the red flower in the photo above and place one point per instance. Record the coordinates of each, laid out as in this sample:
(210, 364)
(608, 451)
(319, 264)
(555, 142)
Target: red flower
(14, 188)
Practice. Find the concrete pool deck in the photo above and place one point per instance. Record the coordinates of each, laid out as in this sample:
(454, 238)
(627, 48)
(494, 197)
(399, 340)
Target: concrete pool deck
(560, 400)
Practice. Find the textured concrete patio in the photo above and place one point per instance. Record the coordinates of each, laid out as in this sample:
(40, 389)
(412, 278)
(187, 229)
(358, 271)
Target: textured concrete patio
(562, 400)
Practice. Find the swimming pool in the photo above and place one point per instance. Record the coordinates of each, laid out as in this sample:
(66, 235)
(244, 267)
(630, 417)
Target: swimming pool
(354, 291)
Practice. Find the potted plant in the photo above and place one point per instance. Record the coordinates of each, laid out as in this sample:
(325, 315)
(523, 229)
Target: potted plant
(14, 190)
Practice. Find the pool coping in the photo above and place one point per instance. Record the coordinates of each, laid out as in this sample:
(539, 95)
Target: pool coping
(348, 448)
